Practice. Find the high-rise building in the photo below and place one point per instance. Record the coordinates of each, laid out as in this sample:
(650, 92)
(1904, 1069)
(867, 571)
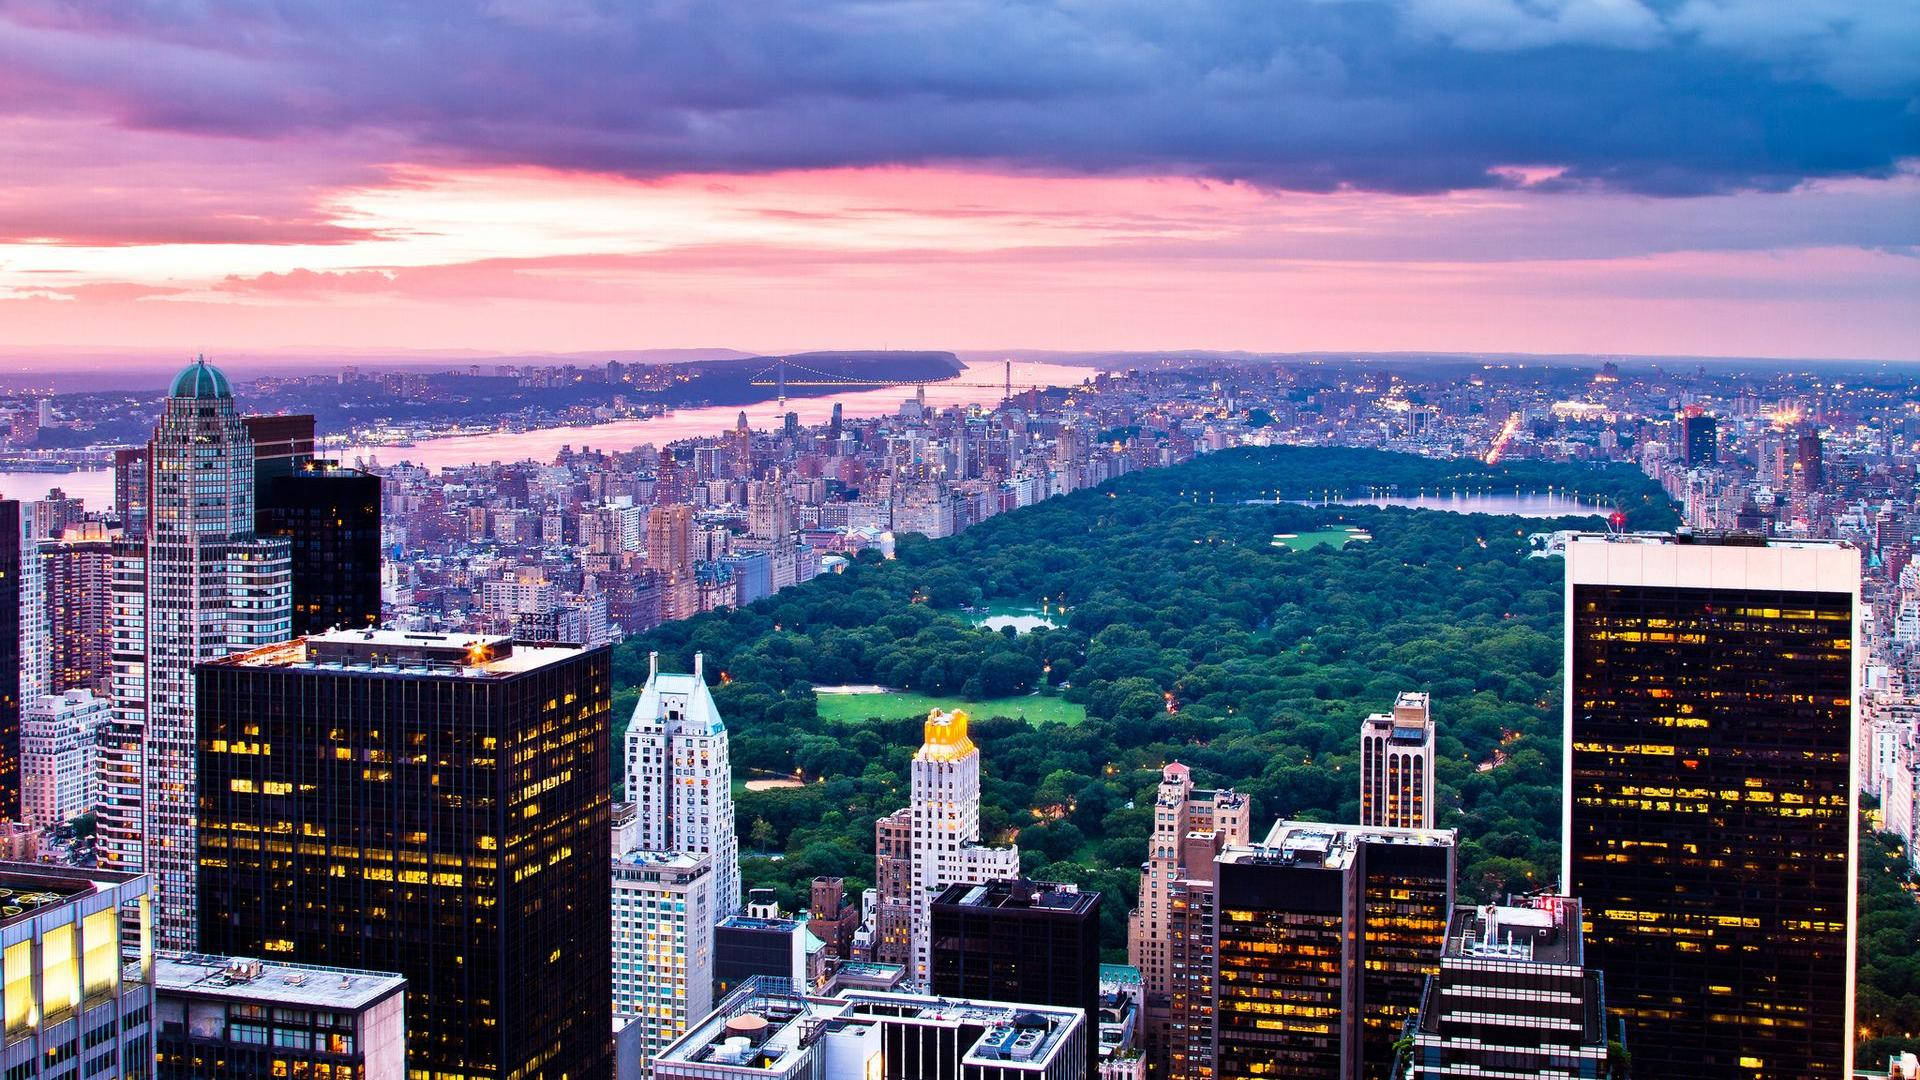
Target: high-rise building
(1019, 940)
(1180, 811)
(1513, 997)
(444, 805)
(131, 484)
(1700, 438)
(941, 832)
(831, 918)
(679, 778)
(1341, 923)
(760, 941)
(15, 554)
(1185, 1051)
(670, 539)
(330, 516)
(663, 944)
(248, 1019)
(1396, 765)
(1809, 462)
(771, 1030)
(208, 587)
(75, 1007)
(77, 572)
(1710, 796)
(117, 841)
(58, 773)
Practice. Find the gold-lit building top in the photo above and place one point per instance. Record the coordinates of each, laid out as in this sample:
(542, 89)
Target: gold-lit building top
(946, 737)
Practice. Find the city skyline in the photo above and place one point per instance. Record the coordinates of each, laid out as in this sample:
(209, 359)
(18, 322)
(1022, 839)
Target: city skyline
(1712, 178)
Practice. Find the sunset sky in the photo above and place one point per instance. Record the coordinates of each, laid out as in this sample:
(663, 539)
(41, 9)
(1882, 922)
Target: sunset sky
(1733, 177)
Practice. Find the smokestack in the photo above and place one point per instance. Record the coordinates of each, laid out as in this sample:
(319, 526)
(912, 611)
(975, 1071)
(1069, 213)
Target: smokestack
(653, 665)
(699, 666)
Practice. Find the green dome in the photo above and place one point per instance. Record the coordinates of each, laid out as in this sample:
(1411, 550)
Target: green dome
(200, 380)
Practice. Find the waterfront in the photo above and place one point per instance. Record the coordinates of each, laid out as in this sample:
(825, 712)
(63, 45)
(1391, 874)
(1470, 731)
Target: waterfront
(1534, 505)
(543, 443)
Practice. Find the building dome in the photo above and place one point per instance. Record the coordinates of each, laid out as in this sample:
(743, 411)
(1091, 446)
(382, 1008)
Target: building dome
(200, 380)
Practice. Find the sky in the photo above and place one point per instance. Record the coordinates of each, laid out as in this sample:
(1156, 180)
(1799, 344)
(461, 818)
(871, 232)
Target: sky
(1695, 177)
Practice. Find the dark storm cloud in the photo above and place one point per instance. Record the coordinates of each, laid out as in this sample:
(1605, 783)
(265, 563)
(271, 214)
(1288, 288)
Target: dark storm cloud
(1403, 96)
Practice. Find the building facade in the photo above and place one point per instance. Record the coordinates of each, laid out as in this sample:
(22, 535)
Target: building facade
(76, 1009)
(1019, 940)
(1710, 796)
(1180, 811)
(330, 518)
(246, 1019)
(679, 777)
(209, 587)
(1396, 765)
(1513, 997)
(445, 814)
(663, 943)
(933, 843)
(60, 777)
(1324, 938)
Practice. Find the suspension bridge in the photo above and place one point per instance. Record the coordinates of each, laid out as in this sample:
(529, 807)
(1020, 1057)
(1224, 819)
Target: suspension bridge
(783, 373)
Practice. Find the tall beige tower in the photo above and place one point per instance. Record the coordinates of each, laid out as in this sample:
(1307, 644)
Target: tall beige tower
(1190, 826)
(1396, 765)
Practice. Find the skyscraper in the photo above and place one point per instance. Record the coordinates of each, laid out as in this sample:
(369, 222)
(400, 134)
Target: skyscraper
(1700, 438)
(1396, 765)
(679, 777)
(208, 586)
(1513, 997)
(430, 804)
(78, 576)
(663, 943)
(942, 830)
(330, 517)
(1710, 796)
(1034, 942)
(15, 553)
(1182, 814)
(1324, 938)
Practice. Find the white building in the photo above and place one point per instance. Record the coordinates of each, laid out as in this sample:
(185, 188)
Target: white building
(943, 836)
(58, 777)
(208, 588)
(1396, 765)
(679, 777)
(663, 918)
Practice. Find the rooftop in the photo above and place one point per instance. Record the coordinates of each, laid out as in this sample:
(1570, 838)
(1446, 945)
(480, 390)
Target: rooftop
(403, 652)
(1542, 930)
(766, 1025)
(200, 380)
(1020, 895)
(280, 984)
(1314, 843)
(27, 889)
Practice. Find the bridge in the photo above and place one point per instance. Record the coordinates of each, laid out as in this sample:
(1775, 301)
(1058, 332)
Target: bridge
(775, 374)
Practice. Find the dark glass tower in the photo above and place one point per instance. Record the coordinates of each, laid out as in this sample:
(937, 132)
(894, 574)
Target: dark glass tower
(1710, 805)
(435, 805)
(1031, 942)
(1324, 938)
(1701, 435)
(331, 517)
(13, 577)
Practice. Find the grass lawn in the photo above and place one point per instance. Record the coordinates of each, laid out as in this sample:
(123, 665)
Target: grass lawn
(895, 705)
(1339, 536)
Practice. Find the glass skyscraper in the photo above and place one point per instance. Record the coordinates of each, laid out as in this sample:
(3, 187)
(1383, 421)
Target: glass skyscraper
(434, 805)
(1710, 797)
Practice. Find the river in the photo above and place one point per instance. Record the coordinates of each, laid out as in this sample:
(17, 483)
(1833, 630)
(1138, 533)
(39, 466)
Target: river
(543, 443)
(983, 379)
